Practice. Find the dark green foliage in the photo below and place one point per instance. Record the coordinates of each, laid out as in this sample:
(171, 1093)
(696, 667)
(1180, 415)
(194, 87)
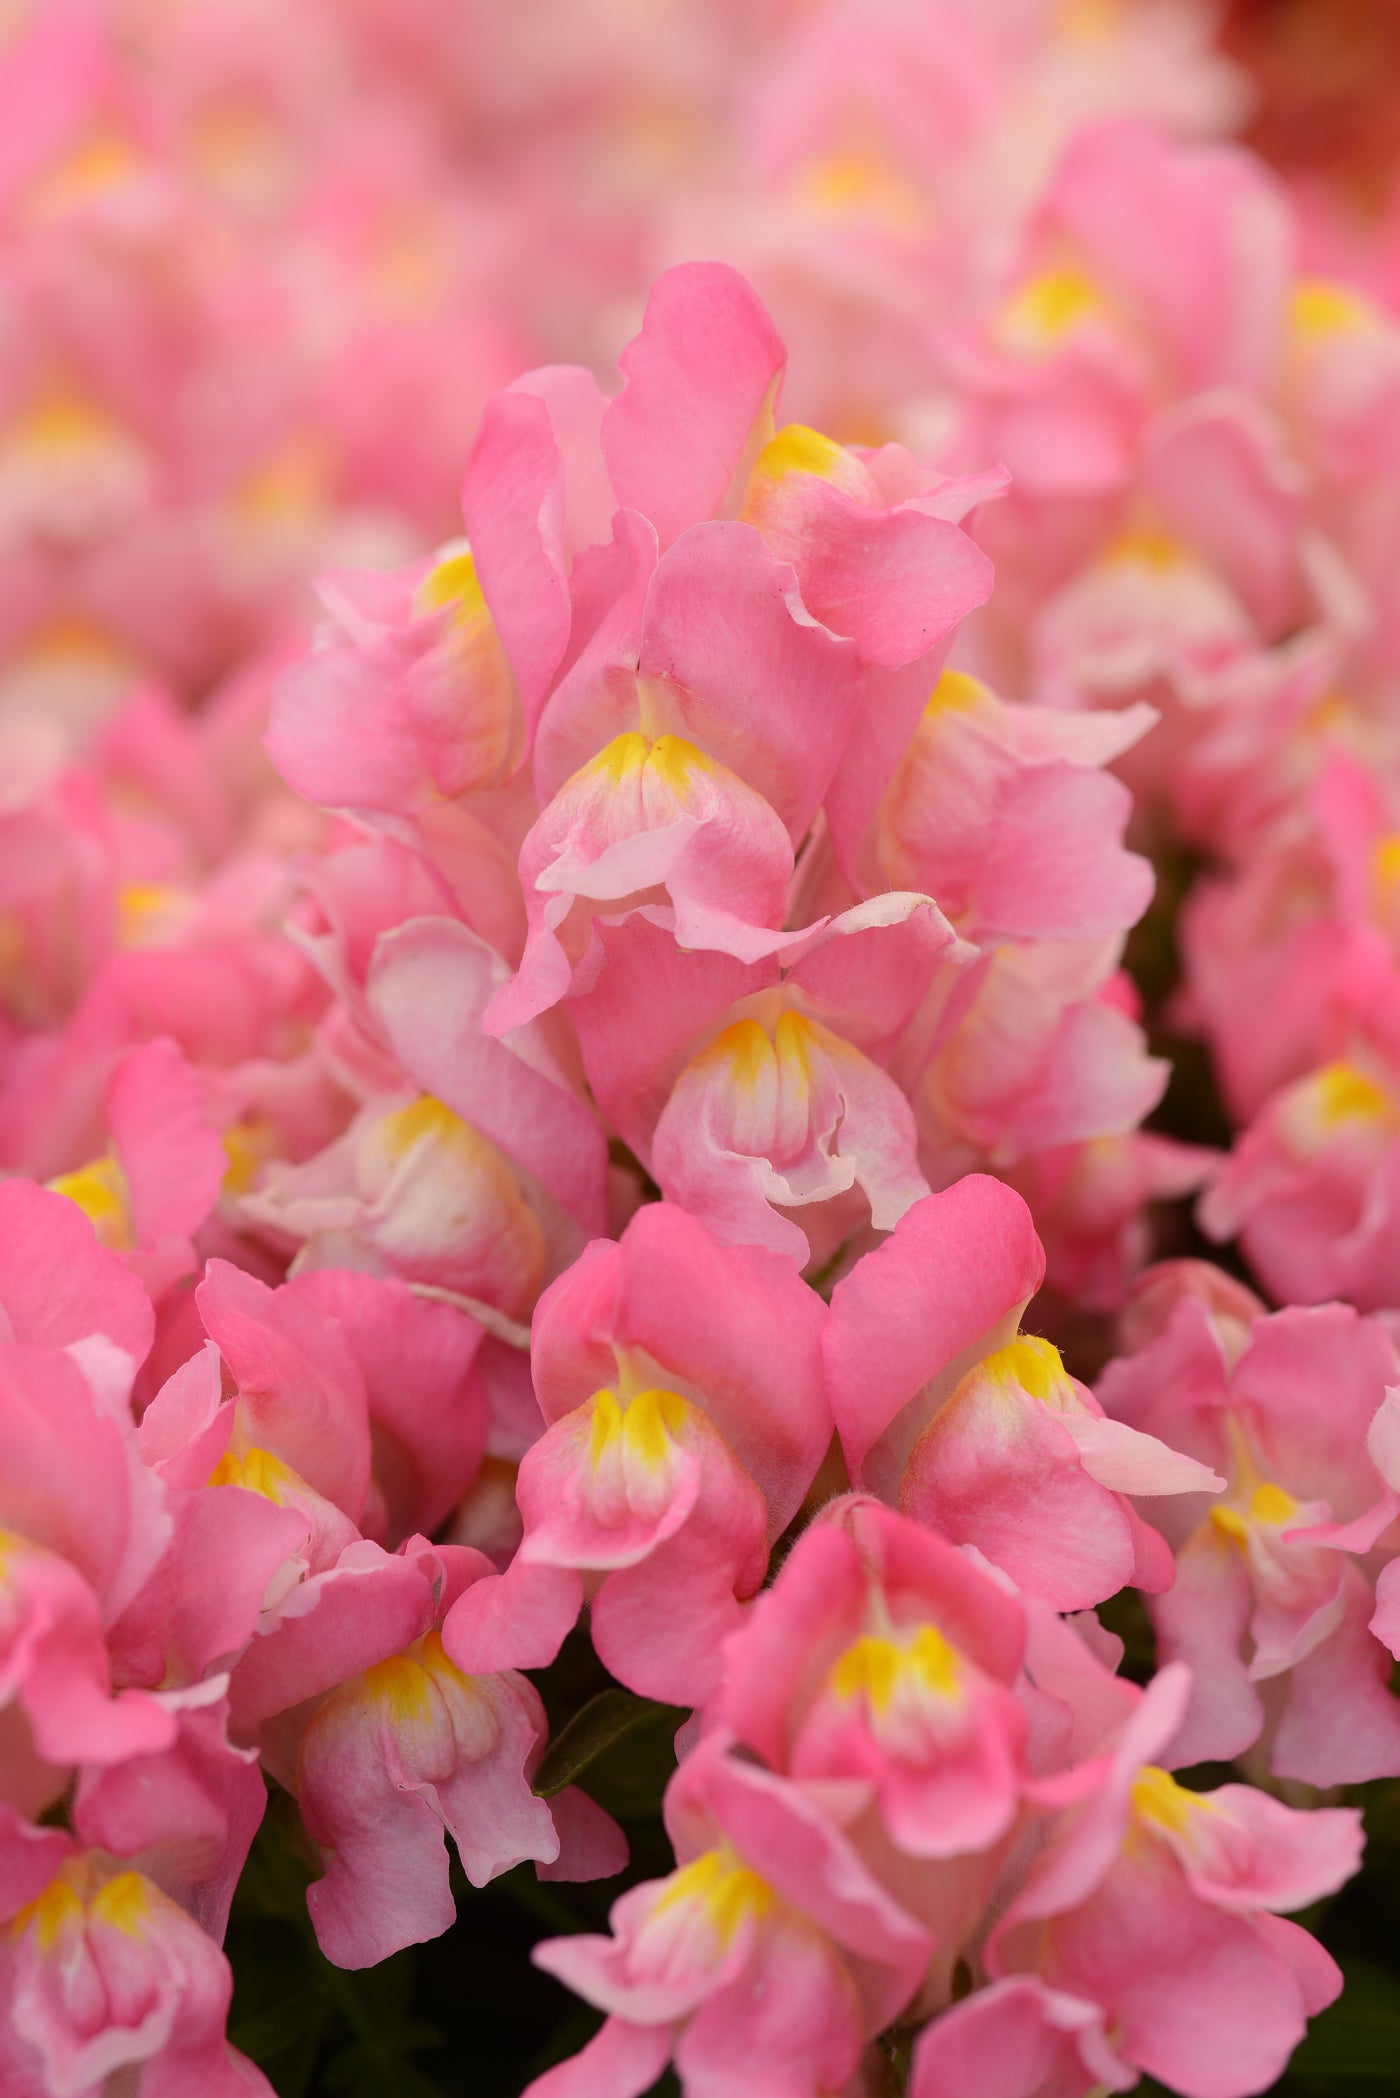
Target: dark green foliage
(624, 1740)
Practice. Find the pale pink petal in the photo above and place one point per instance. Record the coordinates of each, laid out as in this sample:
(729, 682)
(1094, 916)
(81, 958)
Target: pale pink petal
(699, 385)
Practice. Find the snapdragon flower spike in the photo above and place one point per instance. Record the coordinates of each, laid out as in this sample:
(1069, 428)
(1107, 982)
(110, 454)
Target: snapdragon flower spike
(1276, 1580)
(946, 1410)
(105, 1980)
(1159, 1906)
(758, 1097)
(884, 1656)
(765, 1960)
(680, 1384)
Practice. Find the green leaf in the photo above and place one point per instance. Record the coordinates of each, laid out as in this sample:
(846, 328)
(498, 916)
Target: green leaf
(372, 2071)
(1381, 1805)
(310, 2026)
(1354, 2047)
(607, 1719)
(281, 2032)
(1125, 1614)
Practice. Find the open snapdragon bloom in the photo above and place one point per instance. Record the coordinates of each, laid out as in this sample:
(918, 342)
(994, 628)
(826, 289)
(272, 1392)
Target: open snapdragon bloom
(1276, 1597)
(976, 1430)
(677, 1446)
(770, 1950)
(104, 1975)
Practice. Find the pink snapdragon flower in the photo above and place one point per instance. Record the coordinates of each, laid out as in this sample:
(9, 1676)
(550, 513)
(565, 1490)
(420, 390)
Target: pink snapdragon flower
(1158, 1907)
(1018, 2039)
(153, 1188)
(388, 1746)
(1006, 814)
(707, 697)
(473, 1165)
(945, 1410)
(770, 1952)
(408, 696)
(341, 1397)
(102, 1976)
(1035, 1048)
(1276, 1580)
(679, 1442)
(884, 1669)
(757, 1095)
(1305, 930)
(1090, 332)
(297, 1410)
(186, 1815)
(906, 1685)
(85, 1524)
(885, 1657)
(220, 979)
(1310, 1189)
(886, 150)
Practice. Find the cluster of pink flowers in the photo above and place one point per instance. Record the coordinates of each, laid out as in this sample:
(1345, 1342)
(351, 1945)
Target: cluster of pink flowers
(548, 1101)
